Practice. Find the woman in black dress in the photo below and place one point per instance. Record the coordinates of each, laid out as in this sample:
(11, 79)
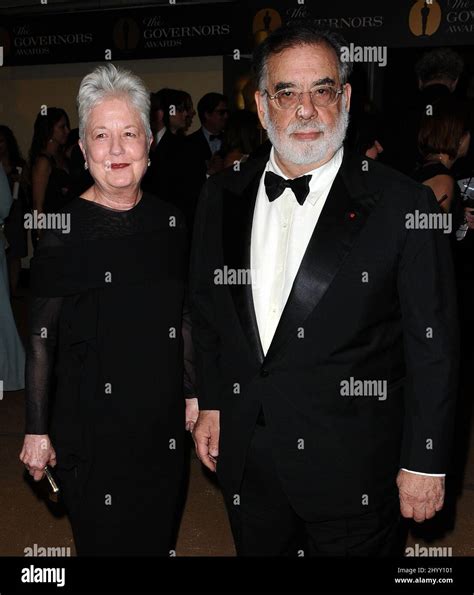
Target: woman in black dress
(48, 166)
(109, 296)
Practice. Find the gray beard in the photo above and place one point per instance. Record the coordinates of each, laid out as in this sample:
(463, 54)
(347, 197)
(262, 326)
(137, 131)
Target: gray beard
(304, 153)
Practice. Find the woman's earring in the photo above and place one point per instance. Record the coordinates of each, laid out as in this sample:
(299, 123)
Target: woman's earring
(85, 165)
(149, 162)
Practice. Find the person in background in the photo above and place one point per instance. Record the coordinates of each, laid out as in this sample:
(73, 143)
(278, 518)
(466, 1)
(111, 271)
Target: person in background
(81, 179)
(438, 72)
(241, 137)
(50, 180)
(443, 138)
(168, 152)
(190, 112)
(176, 110)
(15, 231)
(206, 142)
(12, 354)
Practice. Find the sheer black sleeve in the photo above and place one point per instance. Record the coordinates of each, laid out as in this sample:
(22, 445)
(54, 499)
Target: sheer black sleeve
(41, 353)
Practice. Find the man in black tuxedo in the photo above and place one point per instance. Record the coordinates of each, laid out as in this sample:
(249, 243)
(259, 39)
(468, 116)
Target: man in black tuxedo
(325, 327)
(168, 153)
(205, 143)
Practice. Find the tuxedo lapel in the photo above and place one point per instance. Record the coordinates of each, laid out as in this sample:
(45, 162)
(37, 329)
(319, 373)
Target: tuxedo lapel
(345, 212)
(238, 209)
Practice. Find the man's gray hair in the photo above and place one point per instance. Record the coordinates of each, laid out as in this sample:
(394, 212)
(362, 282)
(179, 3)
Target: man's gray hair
(109, 81)
(292, 35)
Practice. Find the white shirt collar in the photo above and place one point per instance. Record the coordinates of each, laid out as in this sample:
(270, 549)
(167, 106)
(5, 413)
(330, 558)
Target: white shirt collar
(320, 176)
(208, 134)
(160, 134)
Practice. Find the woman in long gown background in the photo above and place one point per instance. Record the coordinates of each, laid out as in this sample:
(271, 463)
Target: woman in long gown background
(12, 354)
(108, 299)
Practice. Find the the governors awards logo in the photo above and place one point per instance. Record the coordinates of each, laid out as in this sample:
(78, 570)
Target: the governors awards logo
(264, 22)
(425, 18)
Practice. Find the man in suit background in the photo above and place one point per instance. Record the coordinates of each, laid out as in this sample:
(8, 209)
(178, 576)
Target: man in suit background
(213, 114)
(169, 113)
(324, 325)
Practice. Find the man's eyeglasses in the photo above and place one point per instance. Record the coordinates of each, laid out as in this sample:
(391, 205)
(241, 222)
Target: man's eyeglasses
(291, 98)
(222, 112)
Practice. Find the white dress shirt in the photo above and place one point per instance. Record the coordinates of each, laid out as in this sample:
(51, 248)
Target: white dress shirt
(281, 231)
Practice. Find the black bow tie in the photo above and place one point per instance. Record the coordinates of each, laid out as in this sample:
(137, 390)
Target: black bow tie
(275, 186)
(215, 137)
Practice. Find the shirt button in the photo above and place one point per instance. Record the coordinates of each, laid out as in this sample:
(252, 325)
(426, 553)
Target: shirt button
(264, 372)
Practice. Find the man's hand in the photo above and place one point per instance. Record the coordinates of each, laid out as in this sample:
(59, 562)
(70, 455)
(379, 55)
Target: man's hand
(206, 438)
(192, 413)
(421, 496)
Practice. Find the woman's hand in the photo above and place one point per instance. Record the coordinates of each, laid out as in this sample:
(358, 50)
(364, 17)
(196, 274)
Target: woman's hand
(192, 413)
(37, 452)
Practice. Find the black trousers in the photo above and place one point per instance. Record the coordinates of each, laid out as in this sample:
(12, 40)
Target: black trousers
(265, 524)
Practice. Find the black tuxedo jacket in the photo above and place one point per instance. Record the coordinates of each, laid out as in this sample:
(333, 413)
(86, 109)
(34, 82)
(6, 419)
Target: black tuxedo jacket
(165, 159)
(199, 152)
(198, 143)
(373, 300)
(165, 178)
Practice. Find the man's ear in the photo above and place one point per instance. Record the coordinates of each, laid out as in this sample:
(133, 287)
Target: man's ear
(259, 99)
(347, 95)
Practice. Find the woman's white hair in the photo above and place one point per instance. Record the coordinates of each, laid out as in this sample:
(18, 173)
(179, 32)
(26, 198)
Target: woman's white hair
(109, 81)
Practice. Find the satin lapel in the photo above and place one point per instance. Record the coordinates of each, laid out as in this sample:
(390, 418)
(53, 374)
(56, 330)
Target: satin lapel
(343, 216)
(238, 209)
